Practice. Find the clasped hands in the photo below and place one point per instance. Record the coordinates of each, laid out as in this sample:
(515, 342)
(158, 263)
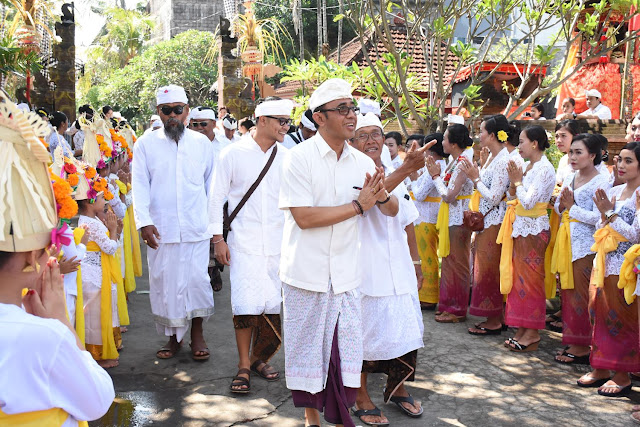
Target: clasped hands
(373, 190)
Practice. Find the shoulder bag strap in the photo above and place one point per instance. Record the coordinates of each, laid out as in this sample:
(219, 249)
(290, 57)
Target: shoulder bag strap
(253, 186)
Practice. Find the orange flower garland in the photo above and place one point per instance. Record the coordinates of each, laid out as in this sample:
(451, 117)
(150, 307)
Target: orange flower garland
(67, 207)
(103, 145)
(73, 179)
(90, 172)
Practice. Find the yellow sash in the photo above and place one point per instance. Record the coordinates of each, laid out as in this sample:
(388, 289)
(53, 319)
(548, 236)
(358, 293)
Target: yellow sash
(606, 240)
(442, 225)
(80, 330)
(549, 278)
(627, 280)
(561, 260)
(474, 203)
(135, 244)
(121, 186)
(427, 199)
(123, 311)
(129, 276)
(53, 417)
(110, 273)
(514, 208)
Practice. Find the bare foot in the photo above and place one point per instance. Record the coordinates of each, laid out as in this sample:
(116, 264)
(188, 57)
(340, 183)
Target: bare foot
(108, 363)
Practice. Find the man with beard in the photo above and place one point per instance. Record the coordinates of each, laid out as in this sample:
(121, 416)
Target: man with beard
(172, 169)
(203, 120)
(255, 237)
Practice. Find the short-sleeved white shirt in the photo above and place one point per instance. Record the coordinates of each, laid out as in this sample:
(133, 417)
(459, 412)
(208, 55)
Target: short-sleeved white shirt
(602, 111)
(313, 176)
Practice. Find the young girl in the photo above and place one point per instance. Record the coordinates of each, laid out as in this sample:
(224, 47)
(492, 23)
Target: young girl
(47, 377)
(524, 235)
(454, 241)
(614, 341)
(100, 274)
(427, 201)
(572, 255)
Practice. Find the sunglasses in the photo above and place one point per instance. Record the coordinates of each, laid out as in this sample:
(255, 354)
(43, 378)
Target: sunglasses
(283, 122)
(166, 110)
(196, 124)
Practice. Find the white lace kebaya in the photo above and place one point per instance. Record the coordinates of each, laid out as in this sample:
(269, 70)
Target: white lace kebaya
(537, 186)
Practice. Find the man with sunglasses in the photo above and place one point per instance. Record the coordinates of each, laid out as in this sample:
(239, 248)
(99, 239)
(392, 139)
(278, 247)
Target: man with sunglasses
(326, 185)
(255, 237)
(203, 120)
(172, 169)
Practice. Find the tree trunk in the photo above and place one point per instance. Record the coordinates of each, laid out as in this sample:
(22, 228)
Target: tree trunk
(319, 10)
(341, 11)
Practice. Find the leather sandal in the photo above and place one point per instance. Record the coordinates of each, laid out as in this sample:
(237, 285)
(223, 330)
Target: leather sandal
(375, 412)
(399, 400)
(447, 317)
(265, 371)
(239, 381)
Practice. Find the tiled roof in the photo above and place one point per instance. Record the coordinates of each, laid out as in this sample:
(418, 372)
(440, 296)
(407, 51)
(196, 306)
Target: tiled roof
(352, 52)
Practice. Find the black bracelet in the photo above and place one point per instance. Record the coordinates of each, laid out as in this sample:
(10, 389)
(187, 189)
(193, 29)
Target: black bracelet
(385, 200)
(359, 207)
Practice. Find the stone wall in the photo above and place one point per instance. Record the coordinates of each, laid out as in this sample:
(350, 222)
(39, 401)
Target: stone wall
(177, 16)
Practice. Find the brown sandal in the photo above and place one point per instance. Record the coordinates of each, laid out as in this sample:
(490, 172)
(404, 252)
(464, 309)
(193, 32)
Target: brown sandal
(447, 317)
(239, 381)
(169, 350)
(199, 357)
(266, 370)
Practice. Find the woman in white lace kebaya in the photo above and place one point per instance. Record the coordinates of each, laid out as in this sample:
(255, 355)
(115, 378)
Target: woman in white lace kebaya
(491, 183)
(614, 311)
(454, 240)
(427, 201)
(103, 243)
(524, 236)
(572, 254)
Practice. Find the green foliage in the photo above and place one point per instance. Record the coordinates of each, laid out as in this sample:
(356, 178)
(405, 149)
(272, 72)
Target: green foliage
(132, 88)
(553, 154)
(14, 60)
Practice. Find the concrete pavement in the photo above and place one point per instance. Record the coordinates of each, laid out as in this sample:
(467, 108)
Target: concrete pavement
(461, 380)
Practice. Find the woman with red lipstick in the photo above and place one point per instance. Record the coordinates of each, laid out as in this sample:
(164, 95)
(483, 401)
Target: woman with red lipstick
(614, 311)
(565, 131)
(572, 254)
(455, 189)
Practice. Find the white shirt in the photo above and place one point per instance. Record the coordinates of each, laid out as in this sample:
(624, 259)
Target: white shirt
(424, 187)
(43, 368)
(72, 250)
(218, 146)
(537, 187)
(170, 184)
(516, 157)
(289, 141)
(564, 169)
(258, 227)
(312, 175)
(387, 267)
(602, 111)
(397, 162)
(494, 182)
(458, 206)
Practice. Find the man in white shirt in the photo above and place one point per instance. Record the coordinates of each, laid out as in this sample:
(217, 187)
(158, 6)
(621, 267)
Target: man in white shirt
(306, 129)
(203, 120)
(595, 108)
(255, 237)
(371, 106)
(325, 186)
(172, 169)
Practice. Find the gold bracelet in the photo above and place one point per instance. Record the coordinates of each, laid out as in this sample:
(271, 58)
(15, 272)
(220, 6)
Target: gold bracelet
(218, 241)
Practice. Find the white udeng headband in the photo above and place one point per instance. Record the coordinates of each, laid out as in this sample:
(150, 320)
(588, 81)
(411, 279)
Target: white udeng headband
(279, 107)
(369, 119)
(307, 123)
(228, 124)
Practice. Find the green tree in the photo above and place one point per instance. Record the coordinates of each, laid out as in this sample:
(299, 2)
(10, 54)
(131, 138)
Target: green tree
(179, 61)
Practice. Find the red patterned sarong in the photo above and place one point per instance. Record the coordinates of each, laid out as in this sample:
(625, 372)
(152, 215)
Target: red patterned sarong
(576, 328)
(455, 275)
(486, 299)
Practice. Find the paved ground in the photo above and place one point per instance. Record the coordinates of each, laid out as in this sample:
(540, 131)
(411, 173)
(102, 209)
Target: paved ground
(461, 381)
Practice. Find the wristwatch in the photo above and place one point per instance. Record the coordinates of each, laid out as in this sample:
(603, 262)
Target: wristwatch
(575, 115)
(517, 184)
(476, 181)
(610, 213)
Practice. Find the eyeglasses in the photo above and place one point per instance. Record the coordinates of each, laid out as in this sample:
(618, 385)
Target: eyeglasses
(196, 124)
(343, 110)
(166, 110)
(283, 122)
(365, 136)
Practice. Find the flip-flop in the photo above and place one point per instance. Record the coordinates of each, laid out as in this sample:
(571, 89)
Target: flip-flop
(575, 360)
(399, 400)
(202, 357)
(262, 373)
(595, 382)
(487, 331)
(241, 381)
(554, 328)
(170, 350)
(375, 412)
(554, 318)
(520, 348)
(622, 390)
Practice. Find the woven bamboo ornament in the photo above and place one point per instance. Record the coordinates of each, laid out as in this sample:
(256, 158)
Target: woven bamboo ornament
(27, 206)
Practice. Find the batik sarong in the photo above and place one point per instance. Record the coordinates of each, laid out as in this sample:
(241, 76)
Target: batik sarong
(576, 327)
(486, 299)
(398, 371)
(614, 340)
(267, 335)
(455, 276)
(526, 303)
